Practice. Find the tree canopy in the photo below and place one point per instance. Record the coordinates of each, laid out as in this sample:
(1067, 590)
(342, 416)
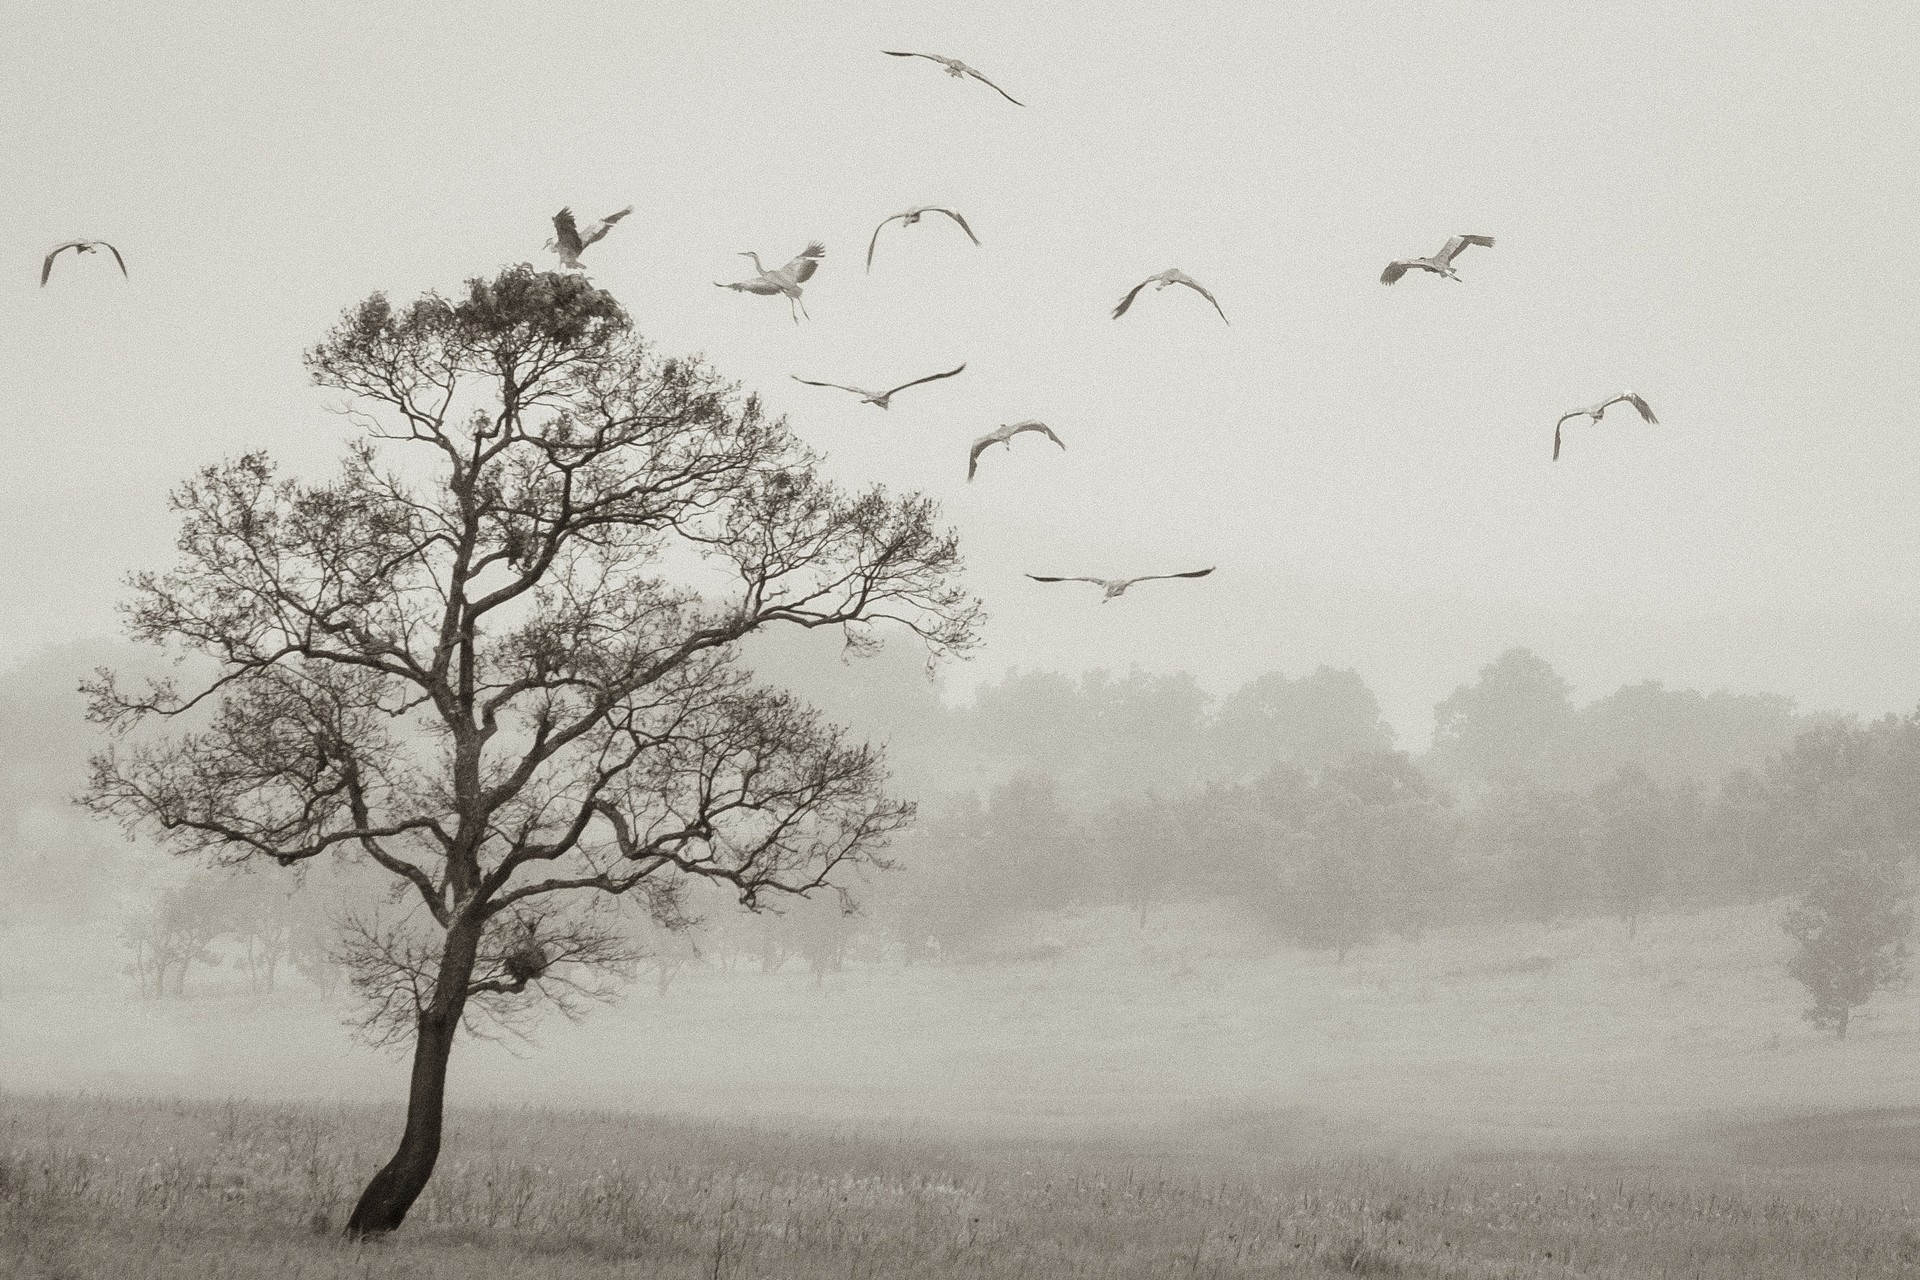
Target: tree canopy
(497, 654)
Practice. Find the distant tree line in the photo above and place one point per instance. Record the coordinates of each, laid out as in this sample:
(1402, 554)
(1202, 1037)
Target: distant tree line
(270, 927)
(1284, 801)
(1289, 806)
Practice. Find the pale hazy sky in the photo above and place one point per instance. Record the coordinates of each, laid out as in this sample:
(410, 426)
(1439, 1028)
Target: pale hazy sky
(1714, 204)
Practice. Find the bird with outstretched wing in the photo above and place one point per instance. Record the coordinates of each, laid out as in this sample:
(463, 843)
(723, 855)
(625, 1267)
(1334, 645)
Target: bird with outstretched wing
(877, 398)
(956, 68)
(1004, 435)
(1171, 276)
(79, 247)
(570, 242)
(1112, 588)
(912, 216)
(1597, 411)
(1441, 263)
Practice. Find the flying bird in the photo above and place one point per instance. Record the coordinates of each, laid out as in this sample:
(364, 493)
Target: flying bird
(957, 69)
(912, 216)
(1114, 587)
(1172, 275)
(877, 398)
(568, 241)
(1004, 435)
(785, 280)
(1441, 263)
(1596, 411)
(79, 246)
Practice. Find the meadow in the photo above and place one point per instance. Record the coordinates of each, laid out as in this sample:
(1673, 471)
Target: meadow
(1168, 1100)
(96, 1187)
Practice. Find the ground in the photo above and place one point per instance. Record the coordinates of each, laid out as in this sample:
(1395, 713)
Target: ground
(1151, 1101)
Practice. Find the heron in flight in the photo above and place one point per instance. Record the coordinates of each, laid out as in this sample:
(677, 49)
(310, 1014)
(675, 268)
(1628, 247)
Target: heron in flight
(1004, 435)
(1172, 275)
(79, 247)
(784, 280)
(1112, 588)
(1441, 263)
(958, 70)
(912, 216)
(569, 242)
(1596, 411)
(877, 398)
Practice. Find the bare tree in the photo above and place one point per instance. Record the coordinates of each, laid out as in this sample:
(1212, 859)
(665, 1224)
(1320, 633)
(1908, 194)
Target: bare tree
(177, 931)
(496, 655)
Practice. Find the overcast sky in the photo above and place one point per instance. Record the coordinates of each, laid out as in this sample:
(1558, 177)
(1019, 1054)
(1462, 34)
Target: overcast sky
(1713, 204)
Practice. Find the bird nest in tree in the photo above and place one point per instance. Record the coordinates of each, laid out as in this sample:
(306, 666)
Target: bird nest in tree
(526, 962)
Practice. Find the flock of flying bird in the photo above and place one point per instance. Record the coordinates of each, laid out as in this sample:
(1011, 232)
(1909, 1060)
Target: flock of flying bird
(787, 281)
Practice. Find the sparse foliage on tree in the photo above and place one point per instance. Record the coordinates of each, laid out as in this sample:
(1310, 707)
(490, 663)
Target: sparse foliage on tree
(497, 656)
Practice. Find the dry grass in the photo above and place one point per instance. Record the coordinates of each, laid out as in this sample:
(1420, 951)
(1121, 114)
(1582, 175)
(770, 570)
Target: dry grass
(94, 1187)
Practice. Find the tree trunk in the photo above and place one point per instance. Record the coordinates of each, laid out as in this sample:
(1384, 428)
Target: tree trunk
(384, 1204)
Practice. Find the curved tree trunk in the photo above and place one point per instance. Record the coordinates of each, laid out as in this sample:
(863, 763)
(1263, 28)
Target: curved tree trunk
(383, 1205)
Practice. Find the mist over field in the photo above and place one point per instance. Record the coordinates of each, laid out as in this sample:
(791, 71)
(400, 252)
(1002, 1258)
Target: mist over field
(1351, 711)
(1117, 907)
(1124, 944)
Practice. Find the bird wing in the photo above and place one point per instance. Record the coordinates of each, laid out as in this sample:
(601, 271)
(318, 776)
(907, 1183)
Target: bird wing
(973, 454)
(1128, 300)
(1201, 289)
(932, 377)
(1457, 243)
(123, 272)
(962, 221)
(566, 234)
(803, 267)
(1556, 430)
(1150, 577)
(837, 386)
(876, 236)
(996, 88)
(605, 225)
(896, 53)
(1098, 582)
(1646, 410)
(1394, 271)
(1032, 425)
(46, 268)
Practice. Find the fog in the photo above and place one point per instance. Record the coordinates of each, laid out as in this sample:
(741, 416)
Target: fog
(1477, 802)
(1558, 927)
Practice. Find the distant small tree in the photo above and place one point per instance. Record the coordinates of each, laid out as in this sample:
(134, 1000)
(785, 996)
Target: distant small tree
(497, 656)
(1506, 727)
(1644, 830)
(1852, 926)
(821, 932)
(1135, 841)
(260, 915)
(175, 932)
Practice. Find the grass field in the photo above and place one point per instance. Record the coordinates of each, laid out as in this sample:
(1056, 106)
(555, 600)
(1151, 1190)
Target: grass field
(1157, 1102)
(93, 1187)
